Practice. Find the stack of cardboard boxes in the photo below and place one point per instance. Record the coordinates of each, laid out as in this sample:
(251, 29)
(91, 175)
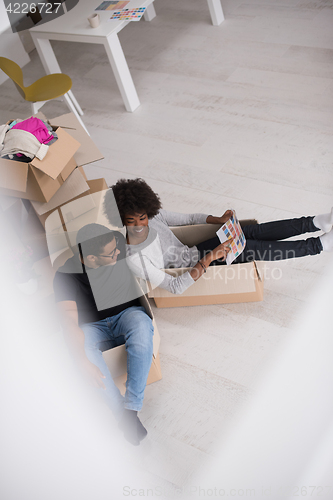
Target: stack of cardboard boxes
(59, 177)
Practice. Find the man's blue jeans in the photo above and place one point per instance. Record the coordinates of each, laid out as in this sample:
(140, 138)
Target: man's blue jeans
(135, 326)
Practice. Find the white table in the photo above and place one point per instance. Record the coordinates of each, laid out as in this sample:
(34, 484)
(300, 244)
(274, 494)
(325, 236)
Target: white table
(74, 27)
(216, 12)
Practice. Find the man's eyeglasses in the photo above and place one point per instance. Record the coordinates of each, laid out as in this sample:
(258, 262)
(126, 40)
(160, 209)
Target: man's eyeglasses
(113, 253)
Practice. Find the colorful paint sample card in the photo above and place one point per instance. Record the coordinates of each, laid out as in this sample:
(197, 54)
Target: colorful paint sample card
(112, 5)
(128, 14)
(232, 231)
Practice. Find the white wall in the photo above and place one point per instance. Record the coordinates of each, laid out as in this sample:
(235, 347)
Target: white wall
(10, 43)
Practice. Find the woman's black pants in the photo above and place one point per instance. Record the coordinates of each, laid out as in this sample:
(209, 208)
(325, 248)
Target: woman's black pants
(263, 241)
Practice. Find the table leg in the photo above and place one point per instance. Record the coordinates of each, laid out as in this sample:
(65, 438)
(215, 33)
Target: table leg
(149, 12)
(74, 111)
(46, 55)
(216, 12)
(50, 64)
(121, 72)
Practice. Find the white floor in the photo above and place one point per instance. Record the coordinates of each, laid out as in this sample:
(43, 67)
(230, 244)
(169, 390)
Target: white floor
(236, 116)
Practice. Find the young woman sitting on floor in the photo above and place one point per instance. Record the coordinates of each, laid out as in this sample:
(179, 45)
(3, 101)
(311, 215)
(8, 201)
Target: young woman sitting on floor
(152, 246)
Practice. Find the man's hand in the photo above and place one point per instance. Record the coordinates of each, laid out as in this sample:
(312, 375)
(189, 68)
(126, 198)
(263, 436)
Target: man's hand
(91, 373)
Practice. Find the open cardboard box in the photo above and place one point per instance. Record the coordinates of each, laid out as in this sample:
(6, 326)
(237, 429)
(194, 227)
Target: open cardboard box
(220, 284)
(40, 180)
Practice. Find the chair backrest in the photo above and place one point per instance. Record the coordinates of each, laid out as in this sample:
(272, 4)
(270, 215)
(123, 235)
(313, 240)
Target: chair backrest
(14, 72)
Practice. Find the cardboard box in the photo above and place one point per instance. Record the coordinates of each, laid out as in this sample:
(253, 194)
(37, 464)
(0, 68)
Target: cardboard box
(220, 284)
(40, 179)
(62, 223)
(88, 152)
(74, 187)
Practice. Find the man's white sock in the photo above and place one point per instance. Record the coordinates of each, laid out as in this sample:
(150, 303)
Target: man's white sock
(327, 241)
(324, 221)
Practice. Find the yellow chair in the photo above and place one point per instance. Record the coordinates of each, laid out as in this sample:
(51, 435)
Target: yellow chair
(46, 88)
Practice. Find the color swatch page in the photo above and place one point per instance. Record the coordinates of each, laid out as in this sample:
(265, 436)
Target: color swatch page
(232, 231)
(128, 14)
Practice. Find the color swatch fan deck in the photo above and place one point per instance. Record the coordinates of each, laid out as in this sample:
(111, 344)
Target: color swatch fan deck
(232, 231)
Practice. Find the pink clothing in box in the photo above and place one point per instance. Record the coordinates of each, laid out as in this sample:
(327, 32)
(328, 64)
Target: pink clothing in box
(37, 128)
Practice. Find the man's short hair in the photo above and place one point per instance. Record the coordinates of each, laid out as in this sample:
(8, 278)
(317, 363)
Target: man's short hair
(92, 238)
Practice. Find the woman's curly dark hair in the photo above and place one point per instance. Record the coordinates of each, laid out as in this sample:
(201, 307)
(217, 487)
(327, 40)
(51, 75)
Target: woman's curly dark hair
(133, 196)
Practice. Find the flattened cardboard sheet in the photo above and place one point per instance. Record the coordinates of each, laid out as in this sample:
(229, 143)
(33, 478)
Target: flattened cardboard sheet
(96, 215)
(83, 173)
(88, 151)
